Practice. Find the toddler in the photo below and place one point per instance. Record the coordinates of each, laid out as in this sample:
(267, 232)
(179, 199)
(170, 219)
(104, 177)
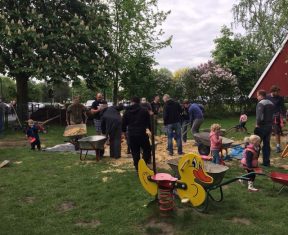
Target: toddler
(32, 135)
(250, 159)
(215, 143)
(242, 121)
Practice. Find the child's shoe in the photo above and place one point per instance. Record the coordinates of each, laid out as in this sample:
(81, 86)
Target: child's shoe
(251, 187)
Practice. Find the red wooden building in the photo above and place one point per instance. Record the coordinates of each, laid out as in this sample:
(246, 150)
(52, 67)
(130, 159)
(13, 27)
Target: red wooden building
(276, 73)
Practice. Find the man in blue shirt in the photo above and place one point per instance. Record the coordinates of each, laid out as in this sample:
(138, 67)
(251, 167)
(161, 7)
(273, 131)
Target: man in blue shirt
(196, 117)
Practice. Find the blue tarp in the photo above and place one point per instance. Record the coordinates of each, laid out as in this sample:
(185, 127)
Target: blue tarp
(237, 152)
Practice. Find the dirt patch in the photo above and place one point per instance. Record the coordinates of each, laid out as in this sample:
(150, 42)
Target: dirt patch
(285, 167)
(105, 179)
(241, 221)
(14, 143)
(91, 224)
(161, 153)
(113, 170)
(28, 200)
(66, 206)
(157, 227)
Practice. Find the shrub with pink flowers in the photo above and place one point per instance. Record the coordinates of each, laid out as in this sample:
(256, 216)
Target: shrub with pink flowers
(215, 83)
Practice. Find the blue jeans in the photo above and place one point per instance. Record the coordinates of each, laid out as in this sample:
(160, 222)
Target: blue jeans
(216, 156)
(196, 125)
(174, 130)
(97, 124)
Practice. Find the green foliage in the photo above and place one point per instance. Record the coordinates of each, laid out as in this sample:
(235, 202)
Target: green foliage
(163, 82)
(138, 77)
(136, 33)
(243, 57)
(265, 21)
(81, 89)
(54, 40)
(7, 88)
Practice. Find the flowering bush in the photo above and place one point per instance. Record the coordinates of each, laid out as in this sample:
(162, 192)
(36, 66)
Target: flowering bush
(216, 83)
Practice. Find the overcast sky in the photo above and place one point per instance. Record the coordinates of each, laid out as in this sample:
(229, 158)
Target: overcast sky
(194, 24)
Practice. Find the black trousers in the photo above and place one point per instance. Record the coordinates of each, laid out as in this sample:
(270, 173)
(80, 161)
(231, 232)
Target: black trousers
(137, 143)
(115, 142)
(36, 143)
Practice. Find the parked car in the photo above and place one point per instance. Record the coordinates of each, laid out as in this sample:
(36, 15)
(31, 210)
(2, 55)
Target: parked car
(33, 106)
(88, 104)
(7, 107)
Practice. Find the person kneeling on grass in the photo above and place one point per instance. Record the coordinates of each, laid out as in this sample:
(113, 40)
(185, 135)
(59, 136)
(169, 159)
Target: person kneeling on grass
(32, 135)
(215, 143)
(250, 159)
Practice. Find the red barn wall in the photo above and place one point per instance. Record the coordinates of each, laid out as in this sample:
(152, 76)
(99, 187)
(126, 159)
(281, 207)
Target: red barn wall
(277, 74)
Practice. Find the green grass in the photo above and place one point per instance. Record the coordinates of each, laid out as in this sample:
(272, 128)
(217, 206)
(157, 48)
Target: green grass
(34, 192)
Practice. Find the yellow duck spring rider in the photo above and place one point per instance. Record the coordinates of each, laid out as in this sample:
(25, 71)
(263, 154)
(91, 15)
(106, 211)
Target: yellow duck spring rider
(190, 168)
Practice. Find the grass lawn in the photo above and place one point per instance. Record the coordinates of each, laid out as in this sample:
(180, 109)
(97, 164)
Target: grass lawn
(56, 193)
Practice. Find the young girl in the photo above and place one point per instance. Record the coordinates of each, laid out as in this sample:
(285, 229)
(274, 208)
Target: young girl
(215, 142)
(250, 159)
(32, 135)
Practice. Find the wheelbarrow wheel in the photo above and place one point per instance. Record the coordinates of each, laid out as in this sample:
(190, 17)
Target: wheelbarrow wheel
(203, 149)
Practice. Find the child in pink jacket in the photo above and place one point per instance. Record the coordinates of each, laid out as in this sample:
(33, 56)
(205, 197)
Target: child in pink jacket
(215, 142)
(250, 159)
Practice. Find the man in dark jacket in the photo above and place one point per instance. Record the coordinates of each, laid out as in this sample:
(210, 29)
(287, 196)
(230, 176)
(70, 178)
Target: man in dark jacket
(171, 118)
(264, 121)
(137, 119)
(111, 125)
(278, 114)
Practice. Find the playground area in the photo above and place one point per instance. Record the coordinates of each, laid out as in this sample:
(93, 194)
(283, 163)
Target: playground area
(46, 192)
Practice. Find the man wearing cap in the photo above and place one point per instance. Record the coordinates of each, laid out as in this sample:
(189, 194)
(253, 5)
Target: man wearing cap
(278, 113)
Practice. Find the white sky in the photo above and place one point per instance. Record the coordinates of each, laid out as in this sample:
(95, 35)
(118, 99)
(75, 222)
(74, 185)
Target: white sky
(194, 24)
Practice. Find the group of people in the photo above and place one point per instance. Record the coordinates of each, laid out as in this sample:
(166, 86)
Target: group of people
(270, 114)
(137, 121)
(141, 117)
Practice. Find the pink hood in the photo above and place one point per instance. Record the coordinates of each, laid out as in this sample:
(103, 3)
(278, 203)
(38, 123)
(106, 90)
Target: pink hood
(215, 141)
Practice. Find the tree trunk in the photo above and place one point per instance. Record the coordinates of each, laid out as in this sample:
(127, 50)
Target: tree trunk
(22, 97)
(115, 88)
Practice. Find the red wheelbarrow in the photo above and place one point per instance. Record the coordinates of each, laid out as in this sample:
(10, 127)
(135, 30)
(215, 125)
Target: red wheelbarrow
(280, 178)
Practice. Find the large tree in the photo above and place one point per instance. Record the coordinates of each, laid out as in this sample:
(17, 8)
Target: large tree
(266, 21)
(53, 40)
(136, 31)
(238, 53)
